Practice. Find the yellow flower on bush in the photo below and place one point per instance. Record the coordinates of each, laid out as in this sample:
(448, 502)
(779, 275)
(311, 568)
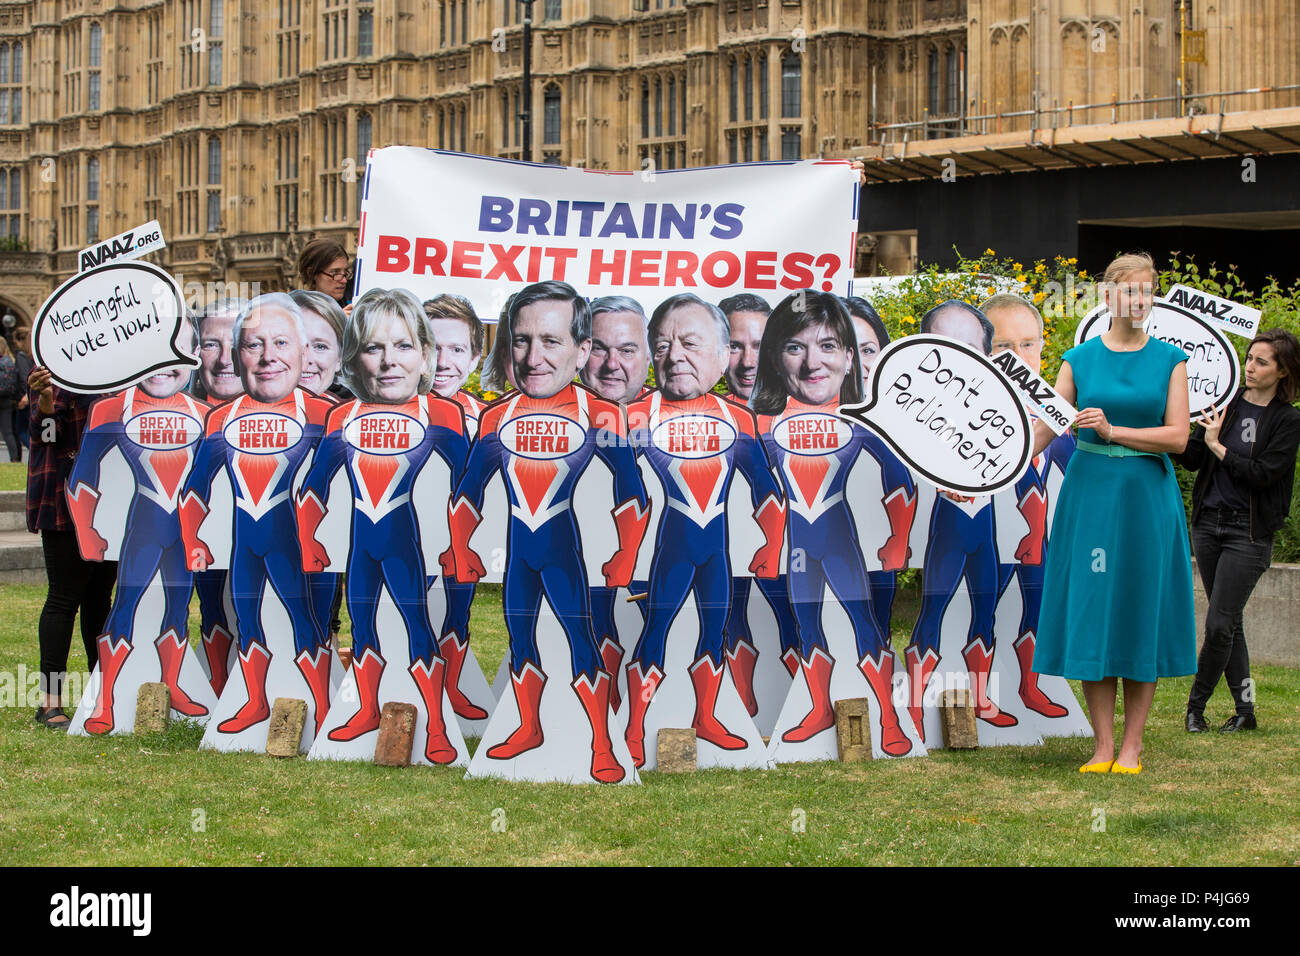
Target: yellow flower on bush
(1018, 267)
(1020, 277)
(1039, 297)
(1072, 260)
(989, 252)
(1040, 268)
(1083, 273)
(989, 291)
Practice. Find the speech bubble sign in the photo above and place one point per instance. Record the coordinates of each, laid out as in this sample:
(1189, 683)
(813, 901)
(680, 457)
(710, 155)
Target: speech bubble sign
(948, 413)
(111, 327)
(1213, 369)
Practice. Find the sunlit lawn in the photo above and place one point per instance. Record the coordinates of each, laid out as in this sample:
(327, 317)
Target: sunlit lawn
(1205, 799)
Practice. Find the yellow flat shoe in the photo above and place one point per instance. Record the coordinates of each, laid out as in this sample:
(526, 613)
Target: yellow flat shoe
(1101, 766)
(1118, 767)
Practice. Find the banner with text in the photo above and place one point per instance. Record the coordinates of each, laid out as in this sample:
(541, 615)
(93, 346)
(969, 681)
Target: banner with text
(439, 222)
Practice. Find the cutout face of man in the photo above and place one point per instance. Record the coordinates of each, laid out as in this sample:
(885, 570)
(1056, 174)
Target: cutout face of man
(1016, 329)
(542, 350)
(689, 357)
(960, 325)
(742, 365)
(454, 356)
(216, 358)
(271, 354)
(391, 363)
(620, 356)
(813, 365)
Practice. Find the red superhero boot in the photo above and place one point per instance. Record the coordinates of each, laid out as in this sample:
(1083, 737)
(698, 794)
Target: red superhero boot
(817, 669)
(594, 695)
(919, 669)
(880, 675)
(171, 652)
(253, 663)
(111, 659)
(368, 670)
(641, 689)
(81, 506)
(453, 651)
(740, 661)
(901, 510)
(1030, 693)
(315, 669)
(790, 658)
(216, 648)
(528, 684)
(630, 519)
(979, 661)
(707, 679)
(611, 656)
(1033, 507)
(430, 678)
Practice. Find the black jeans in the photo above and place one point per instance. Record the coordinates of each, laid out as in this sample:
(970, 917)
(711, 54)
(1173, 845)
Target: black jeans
(1231, 565)
(74, 585)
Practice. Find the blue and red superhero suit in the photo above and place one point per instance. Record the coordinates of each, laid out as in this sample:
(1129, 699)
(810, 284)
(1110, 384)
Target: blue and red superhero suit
(814, 450)
(542, 447)
(602, 610)
(384, 447)
(695, 446)
(1031, 555)
(454, 640)
(742, 655)
(962, 544)
(262, 446)
(157, 437)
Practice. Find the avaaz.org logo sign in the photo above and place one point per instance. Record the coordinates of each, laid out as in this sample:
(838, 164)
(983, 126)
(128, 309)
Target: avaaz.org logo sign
(77, 909)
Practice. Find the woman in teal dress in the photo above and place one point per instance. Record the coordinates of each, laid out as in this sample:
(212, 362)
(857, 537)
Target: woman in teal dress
(1117, 592)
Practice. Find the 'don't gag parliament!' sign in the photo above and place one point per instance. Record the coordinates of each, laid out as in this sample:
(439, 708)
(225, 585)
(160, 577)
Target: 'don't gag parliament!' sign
(948, 413)
(111, 327)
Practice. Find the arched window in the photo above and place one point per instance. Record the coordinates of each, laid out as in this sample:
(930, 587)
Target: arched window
(18, 62)
(749, 88)
(505, 119)
(96, 45)
(92, 179)
(214, 160)
(4, 62)
(551, 116)
(952, 80)
(659, 107)
(645, 109)
(672, 106)
(791, 86)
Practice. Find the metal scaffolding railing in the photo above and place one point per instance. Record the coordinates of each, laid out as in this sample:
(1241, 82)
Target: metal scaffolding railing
(935, 127)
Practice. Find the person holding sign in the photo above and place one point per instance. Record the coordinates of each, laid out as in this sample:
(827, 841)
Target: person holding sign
(542, 439)
(696, 441)
(1117, 589)
(156, 427)
(808, 366)
(261, 439)
(1245, 459)
(384, 438)
(58, 421)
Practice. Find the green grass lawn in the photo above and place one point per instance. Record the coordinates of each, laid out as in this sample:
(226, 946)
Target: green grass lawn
(1202, 800)
(13, 476)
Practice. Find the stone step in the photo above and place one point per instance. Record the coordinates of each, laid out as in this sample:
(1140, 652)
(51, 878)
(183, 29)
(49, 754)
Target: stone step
(13, 511)
(21, 560)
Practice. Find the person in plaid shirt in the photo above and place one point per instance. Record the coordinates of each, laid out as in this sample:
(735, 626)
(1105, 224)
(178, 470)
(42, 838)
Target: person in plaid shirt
(58, 418)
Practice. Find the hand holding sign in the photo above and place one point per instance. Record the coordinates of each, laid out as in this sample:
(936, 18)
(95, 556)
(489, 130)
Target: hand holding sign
(111, 327)
(947, 412)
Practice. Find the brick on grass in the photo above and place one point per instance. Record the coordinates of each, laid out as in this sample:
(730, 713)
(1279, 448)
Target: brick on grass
(396, 734)
(853, 729)
(957, 716)
(284, 735)
(153, 705)
(676, 752)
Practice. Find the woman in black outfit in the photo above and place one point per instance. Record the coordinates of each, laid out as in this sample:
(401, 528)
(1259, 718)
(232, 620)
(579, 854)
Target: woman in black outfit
(1246, 457)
